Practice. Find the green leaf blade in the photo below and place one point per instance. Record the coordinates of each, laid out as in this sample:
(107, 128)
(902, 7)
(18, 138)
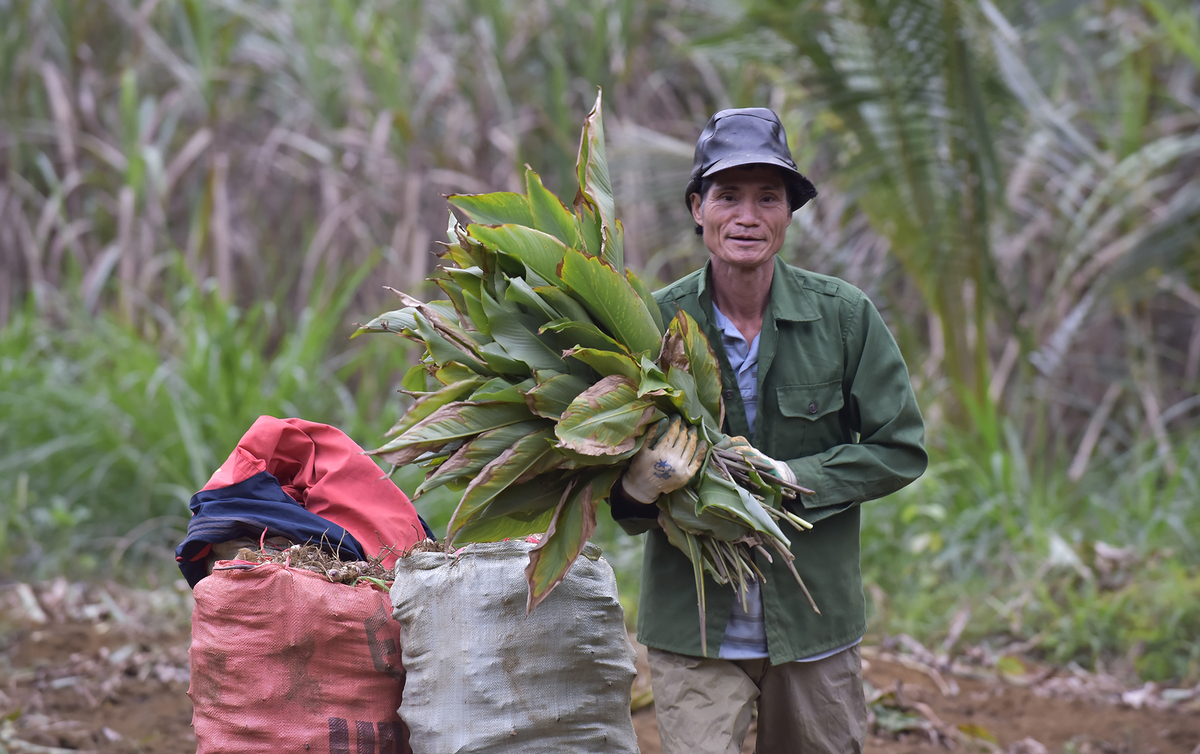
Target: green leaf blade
(497, 475)
(612, 301)
(541, 253)
(573, 525)
(595, 186)
(497, 208)
(550, 215)
(455, 421)
(552, 397)
(606, 419)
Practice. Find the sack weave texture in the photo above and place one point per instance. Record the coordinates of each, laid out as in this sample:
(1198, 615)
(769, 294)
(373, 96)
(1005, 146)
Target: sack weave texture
(284, 660)
(483, 677)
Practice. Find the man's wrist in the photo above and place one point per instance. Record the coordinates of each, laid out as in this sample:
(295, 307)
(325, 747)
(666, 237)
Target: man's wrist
(624, 505)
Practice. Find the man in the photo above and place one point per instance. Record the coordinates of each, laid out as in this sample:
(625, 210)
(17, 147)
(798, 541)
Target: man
(814, 381)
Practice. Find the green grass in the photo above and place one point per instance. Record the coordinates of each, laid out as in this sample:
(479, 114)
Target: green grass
(1098, 572)
(106, 430)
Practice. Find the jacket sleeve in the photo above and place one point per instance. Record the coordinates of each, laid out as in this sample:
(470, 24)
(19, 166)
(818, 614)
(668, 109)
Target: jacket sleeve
(883, 414)
(632, 516)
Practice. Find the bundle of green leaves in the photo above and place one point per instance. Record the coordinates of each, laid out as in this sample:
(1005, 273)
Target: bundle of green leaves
(549, 362)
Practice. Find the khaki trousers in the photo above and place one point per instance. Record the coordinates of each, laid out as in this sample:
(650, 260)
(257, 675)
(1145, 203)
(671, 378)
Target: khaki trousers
(704, 706)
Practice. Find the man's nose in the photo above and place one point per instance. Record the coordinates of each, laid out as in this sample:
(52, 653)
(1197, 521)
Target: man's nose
(747, 213)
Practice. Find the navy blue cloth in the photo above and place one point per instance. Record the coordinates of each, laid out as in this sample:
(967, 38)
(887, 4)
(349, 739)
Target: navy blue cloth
(247, 508)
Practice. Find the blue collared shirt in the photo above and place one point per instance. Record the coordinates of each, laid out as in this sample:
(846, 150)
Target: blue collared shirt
(746, 631)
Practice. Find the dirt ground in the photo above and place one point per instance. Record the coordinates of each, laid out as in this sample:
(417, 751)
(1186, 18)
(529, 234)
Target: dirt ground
(105, 669)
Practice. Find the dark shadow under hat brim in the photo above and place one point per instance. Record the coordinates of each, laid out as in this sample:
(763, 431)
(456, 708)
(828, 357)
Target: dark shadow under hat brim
(800, 189)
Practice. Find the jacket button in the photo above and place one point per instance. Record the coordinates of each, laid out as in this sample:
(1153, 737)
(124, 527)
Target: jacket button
(727, 395)
(812, 408)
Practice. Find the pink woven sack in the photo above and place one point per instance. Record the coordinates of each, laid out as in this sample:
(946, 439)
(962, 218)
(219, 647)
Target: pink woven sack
(284, 660)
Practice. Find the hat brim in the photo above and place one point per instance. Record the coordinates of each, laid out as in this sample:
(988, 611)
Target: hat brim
(800, 189)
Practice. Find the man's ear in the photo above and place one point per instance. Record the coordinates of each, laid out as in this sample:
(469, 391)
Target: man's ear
(695, 201)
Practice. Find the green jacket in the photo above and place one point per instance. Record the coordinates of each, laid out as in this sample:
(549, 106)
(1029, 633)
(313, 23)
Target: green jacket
(834, 402)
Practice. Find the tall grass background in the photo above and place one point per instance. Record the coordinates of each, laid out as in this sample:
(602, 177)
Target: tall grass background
(199, 198)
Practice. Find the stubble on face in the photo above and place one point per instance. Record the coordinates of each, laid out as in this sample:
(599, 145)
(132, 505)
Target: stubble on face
(744, 216)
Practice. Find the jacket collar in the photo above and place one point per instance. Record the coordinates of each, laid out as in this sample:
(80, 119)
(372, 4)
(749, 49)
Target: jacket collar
(789, 300)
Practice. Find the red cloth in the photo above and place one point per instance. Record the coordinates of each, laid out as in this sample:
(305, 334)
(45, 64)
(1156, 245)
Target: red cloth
(325, 471)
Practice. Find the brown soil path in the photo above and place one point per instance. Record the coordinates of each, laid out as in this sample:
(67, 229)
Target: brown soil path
(111, 676)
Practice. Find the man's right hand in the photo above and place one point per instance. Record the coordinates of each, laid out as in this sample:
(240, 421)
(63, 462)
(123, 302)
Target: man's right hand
(665, 465)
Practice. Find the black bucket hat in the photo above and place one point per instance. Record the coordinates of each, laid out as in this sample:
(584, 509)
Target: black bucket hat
(747, 136)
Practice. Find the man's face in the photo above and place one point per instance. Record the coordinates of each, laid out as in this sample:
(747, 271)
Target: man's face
(744, 215)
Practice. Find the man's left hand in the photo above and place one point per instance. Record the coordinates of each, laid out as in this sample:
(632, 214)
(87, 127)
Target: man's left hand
(741, 445)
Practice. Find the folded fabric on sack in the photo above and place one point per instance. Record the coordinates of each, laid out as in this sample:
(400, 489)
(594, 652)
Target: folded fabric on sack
(308, 483)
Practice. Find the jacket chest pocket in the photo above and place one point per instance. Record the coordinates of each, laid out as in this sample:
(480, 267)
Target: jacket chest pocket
(809, 417)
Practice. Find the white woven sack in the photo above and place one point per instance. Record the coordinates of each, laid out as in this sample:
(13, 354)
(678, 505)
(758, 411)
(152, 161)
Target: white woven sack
(483, 677)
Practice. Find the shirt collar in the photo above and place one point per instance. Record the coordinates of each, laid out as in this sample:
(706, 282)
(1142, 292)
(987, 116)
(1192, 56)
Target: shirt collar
(789, 299)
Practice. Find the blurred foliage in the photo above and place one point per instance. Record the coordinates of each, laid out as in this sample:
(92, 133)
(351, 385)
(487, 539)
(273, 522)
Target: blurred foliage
(105, 434)
(199, 199)
(1100, 570)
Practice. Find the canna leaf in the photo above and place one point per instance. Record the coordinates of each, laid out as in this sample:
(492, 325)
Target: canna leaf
(595, 187)
(573, 524)
(469, 460)
(498, 208)
(687, 399)
(554, 358)
(681, 505)
(521, 292)
(591, 230)
(497, 474)
(701, 360)
(453, 291)
(393, 322)
(443, 312)
(579, 460)
(609, 298)
(579, 334)
(549, 214)
(540, 252)
(452, 372)
(567, 307)
(468, 253)
(607, 363)
(501, 389)
(606, 419)
(414, 379)
(654, 382)
(529, 518)
(475, 313)
(520, 343)
(441, 316)
(552, 397)
(528, 501)
(647, 298)
(444, 351)
(455, 421)
(498, 360)
(715, 491)
(424, 406)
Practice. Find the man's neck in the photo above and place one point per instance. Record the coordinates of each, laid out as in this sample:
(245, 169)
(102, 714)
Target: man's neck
(742, 295)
